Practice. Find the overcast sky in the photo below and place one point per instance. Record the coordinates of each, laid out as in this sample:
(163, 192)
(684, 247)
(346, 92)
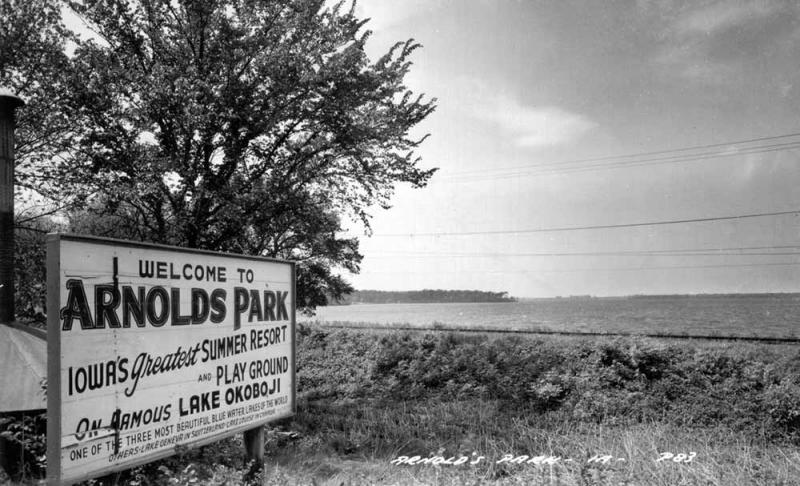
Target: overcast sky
(535, 86)
(537, 101)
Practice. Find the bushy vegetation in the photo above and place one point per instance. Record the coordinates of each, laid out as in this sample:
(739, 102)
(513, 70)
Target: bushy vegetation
(367, 397)
(25, 434)
(614, 382)
(30, 284)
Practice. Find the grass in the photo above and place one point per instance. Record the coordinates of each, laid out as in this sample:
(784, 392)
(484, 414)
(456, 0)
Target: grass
(366, 397)
(723, 458)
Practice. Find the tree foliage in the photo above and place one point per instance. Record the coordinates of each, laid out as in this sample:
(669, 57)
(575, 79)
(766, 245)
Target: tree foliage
(33, 63)
(249, 126)
(425, 296)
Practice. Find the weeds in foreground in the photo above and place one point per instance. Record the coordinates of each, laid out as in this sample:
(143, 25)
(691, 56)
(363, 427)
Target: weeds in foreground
(612, 411)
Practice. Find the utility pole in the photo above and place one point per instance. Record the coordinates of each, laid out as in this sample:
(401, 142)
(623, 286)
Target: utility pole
(8, 103)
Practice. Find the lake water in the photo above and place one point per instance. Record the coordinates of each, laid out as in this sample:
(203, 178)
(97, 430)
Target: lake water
(764, 316)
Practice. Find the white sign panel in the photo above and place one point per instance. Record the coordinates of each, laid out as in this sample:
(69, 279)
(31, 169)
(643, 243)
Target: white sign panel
(154, 347)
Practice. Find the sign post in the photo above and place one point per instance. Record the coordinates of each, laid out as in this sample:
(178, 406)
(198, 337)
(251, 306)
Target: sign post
(254, 449)
(152, 348)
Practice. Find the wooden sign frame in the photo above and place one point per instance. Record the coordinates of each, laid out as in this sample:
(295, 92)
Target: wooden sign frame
(209, 357)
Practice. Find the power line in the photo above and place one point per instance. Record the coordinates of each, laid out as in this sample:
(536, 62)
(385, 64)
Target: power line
(671, 250)
(641, 154)
(612, 254)
(574, 270)
(670, 157)
(555, 168)
(639, 253)
(593, 227)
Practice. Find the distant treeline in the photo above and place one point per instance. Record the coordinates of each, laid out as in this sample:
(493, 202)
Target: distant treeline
(426, 296)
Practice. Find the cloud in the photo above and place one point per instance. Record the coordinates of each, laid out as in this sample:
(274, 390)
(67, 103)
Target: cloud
(386, 14)
(527, 125)
(715, 43)
(534, 126)
(693, 62)
(725, 15)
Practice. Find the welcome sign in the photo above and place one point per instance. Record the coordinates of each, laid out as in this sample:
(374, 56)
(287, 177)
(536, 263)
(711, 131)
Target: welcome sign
(153, 347)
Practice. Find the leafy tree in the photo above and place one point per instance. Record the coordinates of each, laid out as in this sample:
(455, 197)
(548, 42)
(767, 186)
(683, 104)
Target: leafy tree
(30, 283)
(33, 63)
(249, 126)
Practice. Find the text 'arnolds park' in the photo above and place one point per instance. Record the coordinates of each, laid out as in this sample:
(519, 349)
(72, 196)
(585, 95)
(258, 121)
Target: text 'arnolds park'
(121, 306)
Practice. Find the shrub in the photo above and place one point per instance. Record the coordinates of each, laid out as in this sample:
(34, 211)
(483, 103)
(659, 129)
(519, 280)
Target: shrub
(29, 273)
(27, 435)
(783, 406)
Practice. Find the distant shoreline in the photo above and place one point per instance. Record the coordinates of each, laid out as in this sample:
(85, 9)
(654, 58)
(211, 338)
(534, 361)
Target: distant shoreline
(478, 297)
(424, 296)
(668, 296)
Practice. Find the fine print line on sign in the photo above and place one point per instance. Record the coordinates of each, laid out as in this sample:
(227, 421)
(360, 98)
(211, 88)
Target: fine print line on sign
(536, 460)
(183, 350)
